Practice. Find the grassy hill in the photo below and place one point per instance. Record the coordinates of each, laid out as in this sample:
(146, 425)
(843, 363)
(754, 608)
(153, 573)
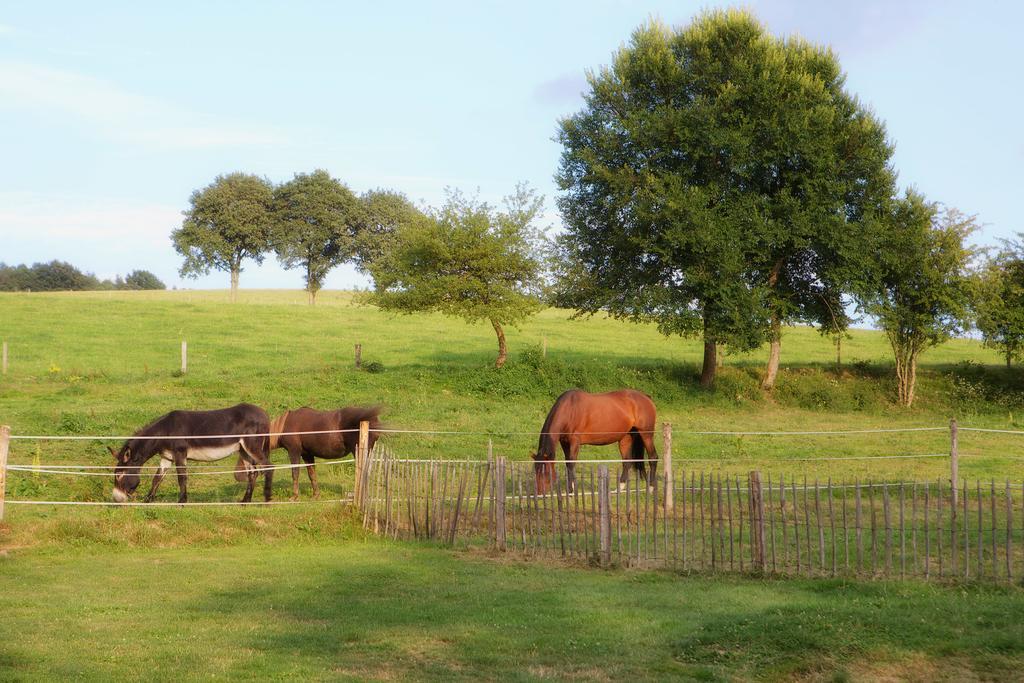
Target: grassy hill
(108, 362)
(97, 593)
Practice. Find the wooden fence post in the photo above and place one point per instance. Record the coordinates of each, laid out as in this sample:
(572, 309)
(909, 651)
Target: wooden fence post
(5, 441)
(954, 464)
(604, 510)
(499, 502)
(184, 356)
(359, 356)
(362, 455)
(544, 347)
(5, 358)
(666, 437)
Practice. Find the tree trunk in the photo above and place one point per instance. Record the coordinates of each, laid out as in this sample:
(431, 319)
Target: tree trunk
(312, 297)
(768, 383)
(720, 355)
(502, 349)
(234, 283)
(707, 373)
(1009, 359)
(839, 352)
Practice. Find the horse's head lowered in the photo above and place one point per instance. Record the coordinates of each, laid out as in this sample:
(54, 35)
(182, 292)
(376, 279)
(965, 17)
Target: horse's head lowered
(544, 469)
(126, 474)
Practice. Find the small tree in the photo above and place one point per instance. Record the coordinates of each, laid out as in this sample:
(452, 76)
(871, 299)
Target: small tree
(315, 221)
(924, 285)
(228, 222)
(466, 260)
(141, 279)
(999, 301)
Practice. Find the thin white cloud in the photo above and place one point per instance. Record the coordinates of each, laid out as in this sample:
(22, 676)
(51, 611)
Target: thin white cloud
(80, 223)
(117, 114)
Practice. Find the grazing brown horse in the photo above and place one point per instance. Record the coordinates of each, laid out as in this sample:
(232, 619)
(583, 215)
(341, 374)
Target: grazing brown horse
(307, 447)
(247, 426)
(579, 418)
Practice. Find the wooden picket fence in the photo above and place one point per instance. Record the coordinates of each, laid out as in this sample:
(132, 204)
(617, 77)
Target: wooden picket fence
(702, 521)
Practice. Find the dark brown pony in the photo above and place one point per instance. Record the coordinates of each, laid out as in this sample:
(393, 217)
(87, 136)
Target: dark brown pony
(626, 417)
(307, 447)
(247, 426)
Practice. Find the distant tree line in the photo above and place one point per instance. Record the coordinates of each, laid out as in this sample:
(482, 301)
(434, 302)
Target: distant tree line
(57, 276)
(720, 182)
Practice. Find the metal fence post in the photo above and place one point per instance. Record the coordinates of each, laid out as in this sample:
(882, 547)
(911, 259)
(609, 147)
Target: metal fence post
(604, 510)
(5, 442)
(666, 436)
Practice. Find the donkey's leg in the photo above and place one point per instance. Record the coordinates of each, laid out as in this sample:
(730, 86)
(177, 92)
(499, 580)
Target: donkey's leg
(256, 449)
(157, 479)
(626, 452)
(179, 465)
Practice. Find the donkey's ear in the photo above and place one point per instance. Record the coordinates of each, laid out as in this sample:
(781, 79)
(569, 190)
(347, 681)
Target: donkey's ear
(127, 455)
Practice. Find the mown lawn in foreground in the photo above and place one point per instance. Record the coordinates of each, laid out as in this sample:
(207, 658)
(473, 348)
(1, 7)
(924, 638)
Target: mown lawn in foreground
(348, 607)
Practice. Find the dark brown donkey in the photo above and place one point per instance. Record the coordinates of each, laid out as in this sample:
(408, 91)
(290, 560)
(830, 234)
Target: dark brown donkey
(246, 425)
(626, 417)
(307, 447)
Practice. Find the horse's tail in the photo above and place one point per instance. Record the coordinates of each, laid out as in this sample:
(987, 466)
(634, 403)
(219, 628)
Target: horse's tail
(352, 416)
(637, 450)
(276, 427)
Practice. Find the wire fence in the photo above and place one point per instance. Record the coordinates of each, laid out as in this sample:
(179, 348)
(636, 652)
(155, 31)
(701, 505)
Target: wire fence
(694, 520)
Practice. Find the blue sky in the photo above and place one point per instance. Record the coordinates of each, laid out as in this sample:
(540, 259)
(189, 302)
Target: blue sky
(111, 114)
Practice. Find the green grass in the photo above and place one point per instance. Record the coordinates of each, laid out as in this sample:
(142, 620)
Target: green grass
(296, 591)
(348, 607)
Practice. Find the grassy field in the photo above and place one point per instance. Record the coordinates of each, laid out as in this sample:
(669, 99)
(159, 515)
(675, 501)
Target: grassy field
(339, 606)
(290, 591)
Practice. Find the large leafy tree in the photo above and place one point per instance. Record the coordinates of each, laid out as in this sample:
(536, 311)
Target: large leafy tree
(227, 222)
(719, 182)
(924, 283)
(999, 301)
(468, 260)
(315, 222)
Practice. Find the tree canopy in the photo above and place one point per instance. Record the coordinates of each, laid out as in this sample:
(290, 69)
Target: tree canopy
(719, 182)
(315, 222)
(468, 260)
(384, 212)
(228, 221)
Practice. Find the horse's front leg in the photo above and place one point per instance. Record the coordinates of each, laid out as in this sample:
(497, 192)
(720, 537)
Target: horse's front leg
(157, 478)
(311, 471)
(294, 459)
(571, 451)
(179, 465)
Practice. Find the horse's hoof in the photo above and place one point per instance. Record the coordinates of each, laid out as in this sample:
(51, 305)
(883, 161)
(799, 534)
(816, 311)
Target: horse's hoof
(293, 498)
(622, 487)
